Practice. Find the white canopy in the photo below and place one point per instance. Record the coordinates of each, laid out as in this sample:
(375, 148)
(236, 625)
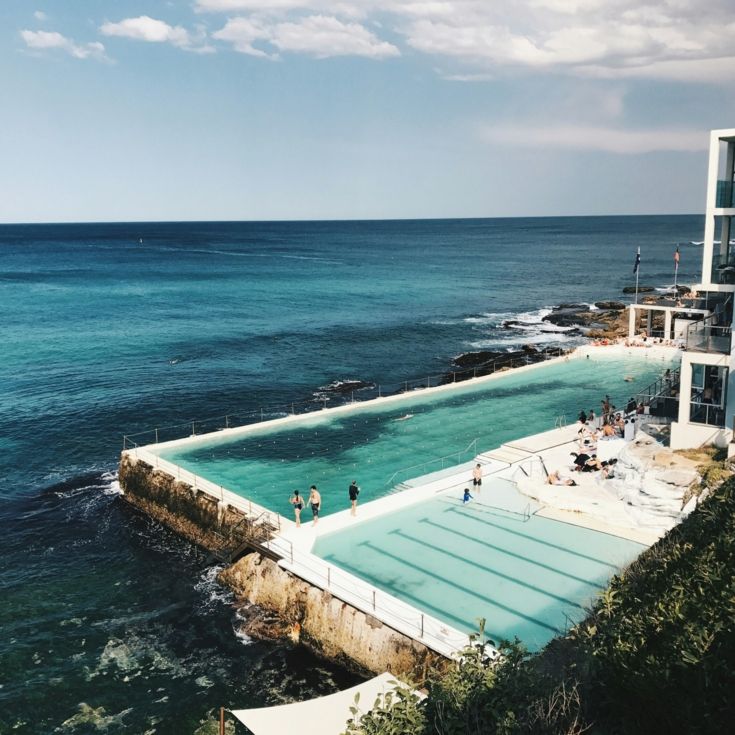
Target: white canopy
(321, 716)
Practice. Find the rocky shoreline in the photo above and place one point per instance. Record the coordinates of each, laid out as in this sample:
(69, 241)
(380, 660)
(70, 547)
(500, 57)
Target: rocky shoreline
(602, 320)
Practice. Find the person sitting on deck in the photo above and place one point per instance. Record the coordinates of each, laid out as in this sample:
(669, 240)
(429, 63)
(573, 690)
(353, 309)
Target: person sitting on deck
(588, 445)
(608, 431)
(608, 469)
(555, 478)
(592, 464)
(591, 417)
(582, 417)
(466, 497)
(579, 461)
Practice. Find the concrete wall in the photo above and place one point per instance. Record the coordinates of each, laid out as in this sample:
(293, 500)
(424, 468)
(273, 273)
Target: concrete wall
(324, 623)
(191, 513)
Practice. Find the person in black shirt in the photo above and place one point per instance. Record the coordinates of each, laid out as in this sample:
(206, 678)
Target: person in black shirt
(579, 460)
(353, 491)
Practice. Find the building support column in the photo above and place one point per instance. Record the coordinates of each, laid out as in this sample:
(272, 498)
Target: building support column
(667, 325)
(685, 391)
(631, 321)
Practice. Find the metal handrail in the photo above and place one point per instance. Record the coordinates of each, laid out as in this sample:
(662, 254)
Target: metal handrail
(370, 599)
(471, 446)
(243, 418)
(218, 492)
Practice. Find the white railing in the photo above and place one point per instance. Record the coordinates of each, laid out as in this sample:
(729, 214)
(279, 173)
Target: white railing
(358, 593)
(218, 492)
(470, 450)
(368, 392)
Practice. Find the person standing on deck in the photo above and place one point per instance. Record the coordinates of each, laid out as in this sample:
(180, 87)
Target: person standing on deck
(353, 492)
(477, 477)
(315, 501)
(298, 503)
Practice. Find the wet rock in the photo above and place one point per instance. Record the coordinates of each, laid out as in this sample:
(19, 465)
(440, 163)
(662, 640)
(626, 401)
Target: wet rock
(569, 318)
(641, 289)
(610, 305)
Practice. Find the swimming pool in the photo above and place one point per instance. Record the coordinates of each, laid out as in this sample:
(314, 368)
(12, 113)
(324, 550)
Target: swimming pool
(527, 577)
(375, 443)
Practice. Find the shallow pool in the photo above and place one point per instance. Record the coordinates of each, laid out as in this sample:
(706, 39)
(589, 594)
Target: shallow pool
(527, 577)
(384, 444)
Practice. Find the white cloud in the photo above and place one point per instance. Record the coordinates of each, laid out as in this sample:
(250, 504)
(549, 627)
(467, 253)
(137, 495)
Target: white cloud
(145, 28)
(40, 15)
(613, 38)
(671, 39)
(593, 138)
(317, 35)
(324, 36)
(45, 40)
(242, 33)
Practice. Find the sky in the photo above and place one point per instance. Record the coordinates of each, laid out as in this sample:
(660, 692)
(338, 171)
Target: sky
(138, 110)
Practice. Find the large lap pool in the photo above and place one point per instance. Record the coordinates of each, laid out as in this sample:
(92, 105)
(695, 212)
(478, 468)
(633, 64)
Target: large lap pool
(376, 442)
(527, 577)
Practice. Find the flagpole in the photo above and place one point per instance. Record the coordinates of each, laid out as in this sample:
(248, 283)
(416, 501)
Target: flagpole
(676, 268)
(637, 272)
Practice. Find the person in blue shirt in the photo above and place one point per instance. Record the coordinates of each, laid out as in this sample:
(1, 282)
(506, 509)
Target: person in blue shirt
(467, 497)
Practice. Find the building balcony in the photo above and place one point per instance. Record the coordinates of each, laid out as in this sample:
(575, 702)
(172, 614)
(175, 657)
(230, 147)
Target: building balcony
(724, 198)
(703, 336)
(723, 269)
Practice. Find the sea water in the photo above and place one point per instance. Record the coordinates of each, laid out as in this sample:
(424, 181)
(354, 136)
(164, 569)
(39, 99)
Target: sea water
(110, 622)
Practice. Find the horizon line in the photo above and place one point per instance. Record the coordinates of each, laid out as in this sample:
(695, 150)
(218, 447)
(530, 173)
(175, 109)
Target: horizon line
(337, 219)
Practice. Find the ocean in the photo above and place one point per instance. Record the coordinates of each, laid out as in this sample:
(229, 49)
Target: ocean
(109, 622)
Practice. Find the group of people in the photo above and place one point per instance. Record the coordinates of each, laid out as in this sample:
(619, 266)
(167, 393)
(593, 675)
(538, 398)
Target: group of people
(315, 501)
(584, 462)
(476, 484)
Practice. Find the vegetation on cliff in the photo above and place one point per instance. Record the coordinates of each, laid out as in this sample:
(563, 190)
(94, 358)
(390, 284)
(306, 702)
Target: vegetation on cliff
(655, 655)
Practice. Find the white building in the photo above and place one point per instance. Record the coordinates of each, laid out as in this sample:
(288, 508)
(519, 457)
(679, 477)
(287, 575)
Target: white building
(705, 405)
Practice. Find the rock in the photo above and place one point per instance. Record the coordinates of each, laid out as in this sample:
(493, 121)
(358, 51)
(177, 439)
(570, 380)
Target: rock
(567, 319)
(475, 359)
(610, 305)
(641, 289)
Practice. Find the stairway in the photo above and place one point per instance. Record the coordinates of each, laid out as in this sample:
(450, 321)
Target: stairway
(504, 453)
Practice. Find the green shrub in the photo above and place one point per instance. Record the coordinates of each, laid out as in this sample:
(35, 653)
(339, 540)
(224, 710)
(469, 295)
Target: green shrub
(661, 639)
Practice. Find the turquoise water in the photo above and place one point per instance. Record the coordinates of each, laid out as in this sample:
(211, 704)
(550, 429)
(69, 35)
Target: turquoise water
(527, 579)
(375, 442)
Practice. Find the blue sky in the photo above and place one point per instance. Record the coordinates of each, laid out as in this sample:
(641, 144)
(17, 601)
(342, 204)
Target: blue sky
(316, 109)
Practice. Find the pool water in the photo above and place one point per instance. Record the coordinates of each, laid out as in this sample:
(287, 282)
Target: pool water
(375, 444)
(529, 578)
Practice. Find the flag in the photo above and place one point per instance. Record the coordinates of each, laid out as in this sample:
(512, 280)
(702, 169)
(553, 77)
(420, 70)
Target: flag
(637, 261)
(676, 256)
